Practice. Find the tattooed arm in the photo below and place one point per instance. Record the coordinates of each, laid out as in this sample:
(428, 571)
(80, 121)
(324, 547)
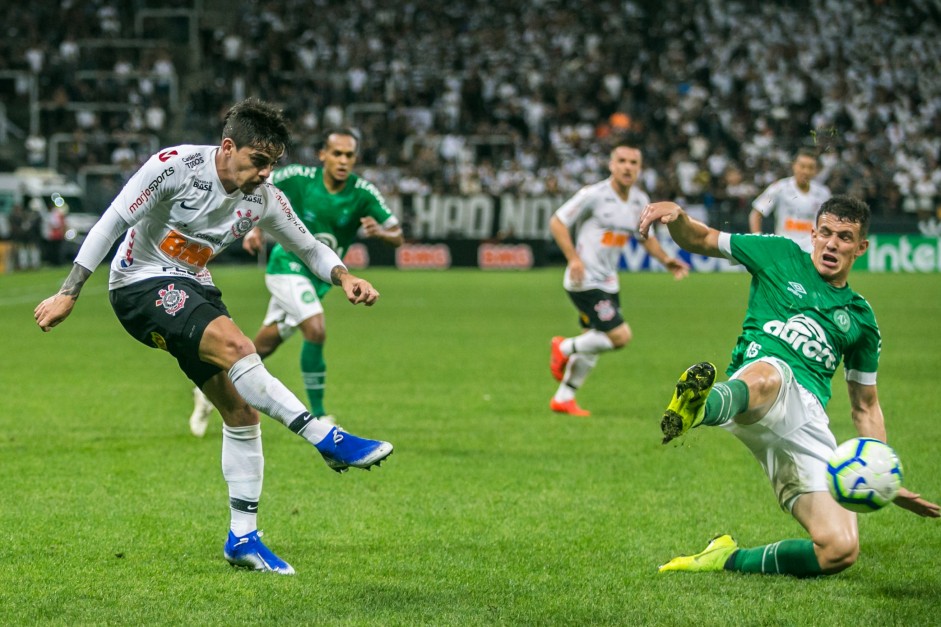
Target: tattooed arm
(57, 308)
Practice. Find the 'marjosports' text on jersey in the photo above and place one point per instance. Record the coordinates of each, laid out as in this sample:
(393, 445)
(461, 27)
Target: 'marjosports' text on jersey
(796, 316)
(795, 211)
(334, 219)
(604, 225)
(181, 217)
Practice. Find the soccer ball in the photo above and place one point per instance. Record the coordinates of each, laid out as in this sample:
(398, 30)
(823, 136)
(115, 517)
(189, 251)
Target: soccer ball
(864, 474)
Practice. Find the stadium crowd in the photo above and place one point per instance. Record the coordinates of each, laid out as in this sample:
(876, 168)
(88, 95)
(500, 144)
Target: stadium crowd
(498, 96)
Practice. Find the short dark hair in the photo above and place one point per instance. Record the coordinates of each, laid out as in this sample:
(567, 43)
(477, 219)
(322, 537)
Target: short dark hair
(806, 152)
(256, 123)
(626, 143)
(847, 209)
(338, 131)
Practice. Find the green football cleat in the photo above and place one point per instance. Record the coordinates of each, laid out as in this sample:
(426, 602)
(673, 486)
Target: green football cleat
(688, 406)
(713, 558)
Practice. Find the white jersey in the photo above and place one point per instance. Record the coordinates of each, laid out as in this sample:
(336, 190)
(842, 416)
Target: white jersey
(795, 210)
(181, 217)
(604, 225)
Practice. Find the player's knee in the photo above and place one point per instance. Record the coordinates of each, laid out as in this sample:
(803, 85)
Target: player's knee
(315, 336)
(620, 337)
(838, 551)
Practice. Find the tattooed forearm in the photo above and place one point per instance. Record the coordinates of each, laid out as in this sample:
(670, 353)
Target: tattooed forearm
(75, 281)
(337, 274)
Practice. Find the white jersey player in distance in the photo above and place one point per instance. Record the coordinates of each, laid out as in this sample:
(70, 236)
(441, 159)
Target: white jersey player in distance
(793, 200)
(603, 217)
(183, 207)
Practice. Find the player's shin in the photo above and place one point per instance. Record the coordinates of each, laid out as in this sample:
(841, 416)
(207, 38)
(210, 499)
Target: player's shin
(725, 401)
(314, 372)
(268, 395)
(787, 557)
(243, 467)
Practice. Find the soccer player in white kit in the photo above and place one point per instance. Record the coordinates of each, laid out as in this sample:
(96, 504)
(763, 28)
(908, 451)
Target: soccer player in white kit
(180, 210)
(794, 200)
(605, 216)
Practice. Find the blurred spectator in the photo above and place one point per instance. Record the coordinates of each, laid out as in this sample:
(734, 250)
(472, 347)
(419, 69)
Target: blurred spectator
(25, 232)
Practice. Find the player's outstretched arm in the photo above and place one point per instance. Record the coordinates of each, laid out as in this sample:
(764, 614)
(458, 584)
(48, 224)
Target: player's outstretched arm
(57, 308)
(907, 499)
(691, 235)
(357, 290)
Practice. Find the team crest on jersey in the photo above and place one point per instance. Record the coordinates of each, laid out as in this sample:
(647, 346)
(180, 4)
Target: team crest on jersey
(244, 224)
(605, 310)
(842, 320)
(171, 299)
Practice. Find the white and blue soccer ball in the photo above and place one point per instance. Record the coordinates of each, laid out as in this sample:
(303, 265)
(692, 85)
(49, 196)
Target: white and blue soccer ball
(864, 474)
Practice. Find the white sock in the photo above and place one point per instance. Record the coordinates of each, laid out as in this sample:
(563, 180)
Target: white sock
(590, 342)
(243, 467)
(576, 371)
(270, 396)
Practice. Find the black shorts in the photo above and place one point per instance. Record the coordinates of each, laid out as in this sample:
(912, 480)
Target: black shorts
(171, 314)
(597, 309)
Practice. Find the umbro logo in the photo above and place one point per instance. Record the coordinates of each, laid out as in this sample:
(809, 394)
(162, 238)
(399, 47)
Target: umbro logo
(796, 289)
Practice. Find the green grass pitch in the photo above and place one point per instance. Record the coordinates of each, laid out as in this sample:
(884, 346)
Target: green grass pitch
(492, 511)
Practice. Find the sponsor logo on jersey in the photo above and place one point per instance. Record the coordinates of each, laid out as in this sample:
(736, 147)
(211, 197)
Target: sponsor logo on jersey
(255, 198)
(194, 160)
(796, 289)
(206, 186)
(171, 299)
(286, 209)
(149, 190)
(166, 155)
(183, 205)
(805, 336)
(244, 223)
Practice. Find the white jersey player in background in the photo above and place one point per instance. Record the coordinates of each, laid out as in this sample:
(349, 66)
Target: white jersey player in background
(604, 217)
(794, 200)
(180, 210)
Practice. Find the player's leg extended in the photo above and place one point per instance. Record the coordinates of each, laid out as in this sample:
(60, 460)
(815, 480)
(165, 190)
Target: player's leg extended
(833, 547)
(225, 346)
(745, 398)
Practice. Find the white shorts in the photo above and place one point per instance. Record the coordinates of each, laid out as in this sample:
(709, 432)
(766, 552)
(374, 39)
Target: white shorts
(792, 442)
(293, 300)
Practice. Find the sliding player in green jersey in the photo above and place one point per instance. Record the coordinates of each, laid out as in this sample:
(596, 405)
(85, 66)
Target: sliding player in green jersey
(802, 320)
(334, 204)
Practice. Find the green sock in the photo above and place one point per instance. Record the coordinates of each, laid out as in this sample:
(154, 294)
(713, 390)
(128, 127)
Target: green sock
(725, 401)
(787, 557)
(314, 372)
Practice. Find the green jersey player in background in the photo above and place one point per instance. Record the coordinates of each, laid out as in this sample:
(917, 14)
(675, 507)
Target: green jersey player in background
(334, 204)
(802, 319)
